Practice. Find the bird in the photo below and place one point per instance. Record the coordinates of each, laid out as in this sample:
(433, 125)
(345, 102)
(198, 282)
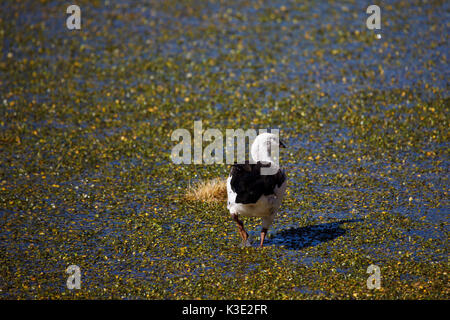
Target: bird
(253, 194)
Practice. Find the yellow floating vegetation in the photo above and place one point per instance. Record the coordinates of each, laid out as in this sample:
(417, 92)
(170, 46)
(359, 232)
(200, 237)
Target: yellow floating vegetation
(209, 190)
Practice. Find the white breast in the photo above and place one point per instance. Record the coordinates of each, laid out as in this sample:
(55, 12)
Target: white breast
(265, 206)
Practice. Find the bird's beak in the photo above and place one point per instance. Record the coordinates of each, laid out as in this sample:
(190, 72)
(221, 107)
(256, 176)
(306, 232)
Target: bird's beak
(282, 145)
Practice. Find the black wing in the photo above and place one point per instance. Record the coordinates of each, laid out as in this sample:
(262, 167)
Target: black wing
(248, 183)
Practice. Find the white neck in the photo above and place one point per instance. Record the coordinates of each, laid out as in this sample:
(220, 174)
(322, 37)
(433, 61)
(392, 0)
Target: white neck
(261, 152)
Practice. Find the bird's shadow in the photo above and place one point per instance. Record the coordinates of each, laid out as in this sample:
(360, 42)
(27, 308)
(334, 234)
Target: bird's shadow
(309, 236)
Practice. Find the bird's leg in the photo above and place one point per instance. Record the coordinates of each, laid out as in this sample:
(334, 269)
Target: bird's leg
(263, 235)
(240, 224)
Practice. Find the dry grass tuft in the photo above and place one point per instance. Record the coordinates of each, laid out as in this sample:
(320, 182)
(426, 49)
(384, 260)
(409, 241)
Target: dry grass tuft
(208, 191)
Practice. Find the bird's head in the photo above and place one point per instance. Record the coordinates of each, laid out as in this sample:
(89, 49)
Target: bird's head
(266, 147)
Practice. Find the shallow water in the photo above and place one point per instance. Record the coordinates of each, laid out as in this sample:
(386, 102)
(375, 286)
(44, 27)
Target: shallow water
(86, 176)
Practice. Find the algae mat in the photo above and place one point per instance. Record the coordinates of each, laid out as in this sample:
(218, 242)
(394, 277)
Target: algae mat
(87, 115)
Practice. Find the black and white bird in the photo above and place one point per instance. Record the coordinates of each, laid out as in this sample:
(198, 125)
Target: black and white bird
(253, 194)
